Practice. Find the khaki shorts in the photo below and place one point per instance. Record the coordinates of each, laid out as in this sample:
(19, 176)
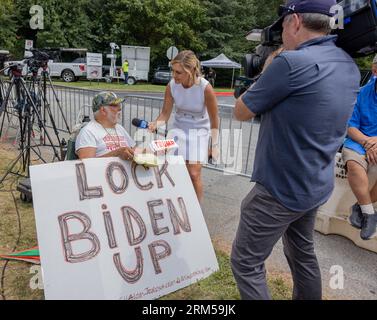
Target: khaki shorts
(348, 154)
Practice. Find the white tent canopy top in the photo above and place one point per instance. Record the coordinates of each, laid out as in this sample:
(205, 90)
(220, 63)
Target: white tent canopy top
(221, 61)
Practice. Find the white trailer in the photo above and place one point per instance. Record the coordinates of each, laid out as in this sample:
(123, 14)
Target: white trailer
(138, 62)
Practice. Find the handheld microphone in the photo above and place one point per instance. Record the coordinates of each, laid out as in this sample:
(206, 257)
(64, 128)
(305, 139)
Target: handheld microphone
(142, 124)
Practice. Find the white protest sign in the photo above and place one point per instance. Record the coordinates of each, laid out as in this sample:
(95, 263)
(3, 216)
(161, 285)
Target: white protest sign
(94, 65)
(111, 230)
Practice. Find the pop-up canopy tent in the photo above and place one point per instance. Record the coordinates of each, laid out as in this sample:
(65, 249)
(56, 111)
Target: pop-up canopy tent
(223, 62)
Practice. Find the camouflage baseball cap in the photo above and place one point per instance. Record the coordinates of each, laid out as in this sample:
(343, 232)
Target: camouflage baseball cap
(105, 98)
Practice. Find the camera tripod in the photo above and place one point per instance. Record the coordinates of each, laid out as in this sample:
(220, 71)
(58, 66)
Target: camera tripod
(38, 87)
(2, 94)
(30, 97)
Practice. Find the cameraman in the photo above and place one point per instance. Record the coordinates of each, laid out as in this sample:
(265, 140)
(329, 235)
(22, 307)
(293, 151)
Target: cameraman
(305, 98)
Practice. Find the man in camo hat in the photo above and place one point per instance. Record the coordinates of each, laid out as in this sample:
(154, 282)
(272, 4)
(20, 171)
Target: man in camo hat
(103, 136)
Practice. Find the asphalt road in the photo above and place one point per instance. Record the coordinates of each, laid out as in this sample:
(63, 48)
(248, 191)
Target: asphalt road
(221, 100)
(73, 100)
(221, 209)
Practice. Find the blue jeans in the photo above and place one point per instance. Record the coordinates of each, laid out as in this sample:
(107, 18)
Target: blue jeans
(125, 77)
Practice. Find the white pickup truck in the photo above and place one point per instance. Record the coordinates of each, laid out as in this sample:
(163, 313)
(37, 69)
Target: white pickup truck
(66, 63)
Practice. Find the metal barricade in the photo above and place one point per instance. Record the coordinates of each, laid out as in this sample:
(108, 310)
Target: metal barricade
(237, 139)
(72, 100)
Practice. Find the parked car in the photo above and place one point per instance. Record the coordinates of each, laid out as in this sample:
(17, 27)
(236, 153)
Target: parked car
(67, 63)
(162, 75)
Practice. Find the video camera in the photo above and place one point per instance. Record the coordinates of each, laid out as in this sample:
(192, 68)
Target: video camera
(4, 56)
(38, 60)
(358, 38)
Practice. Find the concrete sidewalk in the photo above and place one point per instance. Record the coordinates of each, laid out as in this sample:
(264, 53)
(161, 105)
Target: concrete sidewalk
(221, 208)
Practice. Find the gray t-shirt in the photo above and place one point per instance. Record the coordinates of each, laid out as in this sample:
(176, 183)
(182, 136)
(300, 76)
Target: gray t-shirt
(305, 97)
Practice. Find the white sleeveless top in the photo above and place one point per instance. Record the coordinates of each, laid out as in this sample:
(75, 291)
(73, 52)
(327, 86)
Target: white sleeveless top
(190, 109)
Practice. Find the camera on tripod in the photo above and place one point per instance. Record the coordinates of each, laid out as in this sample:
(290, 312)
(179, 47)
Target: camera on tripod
(38, 60)
(28, 99)
(16, 68)
(358, 38)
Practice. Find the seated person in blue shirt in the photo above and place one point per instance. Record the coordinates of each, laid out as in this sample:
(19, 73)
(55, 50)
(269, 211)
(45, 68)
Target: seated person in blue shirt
(359, 154)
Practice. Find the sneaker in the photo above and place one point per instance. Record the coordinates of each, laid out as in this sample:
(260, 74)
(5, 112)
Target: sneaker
(369, 226)
(356, 217)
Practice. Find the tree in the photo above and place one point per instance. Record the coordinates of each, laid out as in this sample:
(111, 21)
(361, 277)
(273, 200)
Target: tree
(230, 20)
(265, 12)
(154, 23)
(65, 25)
(208, 27)
(228, 23)
(8, 23)
(365, 63)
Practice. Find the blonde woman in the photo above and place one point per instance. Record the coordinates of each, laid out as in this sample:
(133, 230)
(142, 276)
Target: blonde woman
(196, 114)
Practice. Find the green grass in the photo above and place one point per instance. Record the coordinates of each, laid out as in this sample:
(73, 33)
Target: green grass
(138, 87)
(222, 286)
(17, 274)
(223, 90)
(219, 286)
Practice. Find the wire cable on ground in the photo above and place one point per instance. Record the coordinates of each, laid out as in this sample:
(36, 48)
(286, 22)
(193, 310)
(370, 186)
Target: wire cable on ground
(12, 191)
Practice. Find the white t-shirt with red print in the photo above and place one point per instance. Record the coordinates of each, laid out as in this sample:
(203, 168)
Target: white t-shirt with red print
(103, 139)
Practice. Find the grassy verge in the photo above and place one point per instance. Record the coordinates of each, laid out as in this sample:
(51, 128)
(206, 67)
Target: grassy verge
(138, 87)
(222, 286)
(17, 276)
